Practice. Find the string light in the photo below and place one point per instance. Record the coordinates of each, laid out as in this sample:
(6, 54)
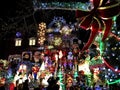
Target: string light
(60, 5)
(118, 71)
(41, 33)
(116, 81)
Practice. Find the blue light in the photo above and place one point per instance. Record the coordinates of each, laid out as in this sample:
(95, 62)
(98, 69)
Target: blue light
(113, 54)
(18, 34)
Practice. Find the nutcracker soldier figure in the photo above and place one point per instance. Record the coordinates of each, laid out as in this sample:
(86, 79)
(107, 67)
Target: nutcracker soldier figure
(35, 70)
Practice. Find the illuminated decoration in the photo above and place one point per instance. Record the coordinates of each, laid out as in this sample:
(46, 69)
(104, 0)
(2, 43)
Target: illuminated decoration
(61, 79)
(96, 78)
(114, 82)
(41, 33)
(22, 68)
(50, 47)
(18, 34)
(84, 67)
(70, 56)
(112, 51)
(2, 81)
(35, 70)
(27, 55)
(15, 57)
(95, 63)
(4, 64)
(18, 41)
(50, 39)
(42, 67)
(57, 41)
(60, 54)
(118, 71)
(69, 81)
(59, 5)
(115, 33)
(90, 20)
(32, 41)
(58, 22)
(111, 74)
(96, 71)
(49, 30)
(65, 30)
(75, 74)
(99, 43)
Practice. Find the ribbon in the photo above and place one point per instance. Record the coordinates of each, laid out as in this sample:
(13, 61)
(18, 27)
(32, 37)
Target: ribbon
(115, 36)
(111, 67)
(97, 19)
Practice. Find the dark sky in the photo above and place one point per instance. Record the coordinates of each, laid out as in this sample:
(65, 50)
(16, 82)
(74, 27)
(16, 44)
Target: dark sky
(10, 7)
(7, 7)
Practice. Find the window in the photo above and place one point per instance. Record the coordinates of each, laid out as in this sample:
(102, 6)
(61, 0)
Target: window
(32, 41)
(18, 41)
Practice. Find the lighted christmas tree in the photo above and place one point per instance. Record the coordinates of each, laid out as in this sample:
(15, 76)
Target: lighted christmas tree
(111, 55)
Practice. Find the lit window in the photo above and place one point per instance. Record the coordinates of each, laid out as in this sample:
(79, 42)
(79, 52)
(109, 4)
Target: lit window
(18, 41)
(32, 41)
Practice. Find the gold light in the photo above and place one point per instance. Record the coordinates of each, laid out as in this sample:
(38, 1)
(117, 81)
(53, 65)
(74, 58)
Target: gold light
(41, 33)
(65, 30)
(57, 41)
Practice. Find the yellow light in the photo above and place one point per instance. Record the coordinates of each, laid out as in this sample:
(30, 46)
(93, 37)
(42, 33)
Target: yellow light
(84, 67)
(18, 41)
(32, 41)
(57, 41)
(41, 33)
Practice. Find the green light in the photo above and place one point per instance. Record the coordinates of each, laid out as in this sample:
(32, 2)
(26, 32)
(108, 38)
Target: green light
(94, 62)
(61, 77)
(116, 81)
(101, 47)
(75, 74)
(114, 18)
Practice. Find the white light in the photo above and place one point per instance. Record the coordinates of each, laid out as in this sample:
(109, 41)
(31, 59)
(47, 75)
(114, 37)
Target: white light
(103, 68)
(113, 54)
(110, 79)
(118, 32)
(32, 41)
(113, 31)
(116, 69)
(60, 54)
(18, 41)
(84, 67)
(106, 76)
(108, 69)
(108, 73)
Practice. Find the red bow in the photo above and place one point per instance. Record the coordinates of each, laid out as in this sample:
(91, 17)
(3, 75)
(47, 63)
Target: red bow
(99, 18)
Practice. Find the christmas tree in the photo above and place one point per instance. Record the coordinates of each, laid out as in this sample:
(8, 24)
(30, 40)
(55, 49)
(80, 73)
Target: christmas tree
(111, 54)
